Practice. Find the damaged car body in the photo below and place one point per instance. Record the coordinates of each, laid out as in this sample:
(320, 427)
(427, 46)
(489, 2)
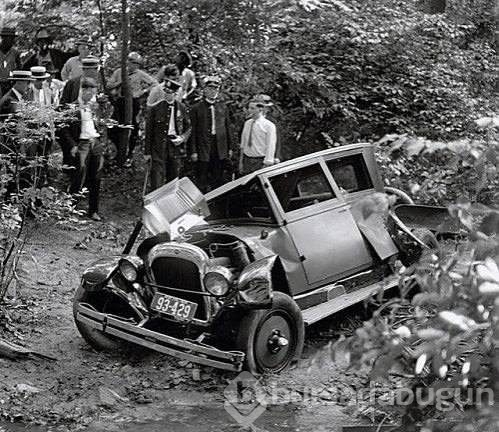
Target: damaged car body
(253, 262)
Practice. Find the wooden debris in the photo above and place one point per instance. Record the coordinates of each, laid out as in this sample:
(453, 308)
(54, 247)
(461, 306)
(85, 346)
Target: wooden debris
(16, 352)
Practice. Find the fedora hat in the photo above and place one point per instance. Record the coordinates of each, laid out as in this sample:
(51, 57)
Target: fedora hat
(39, 72)
(8, 31)
(20, 75)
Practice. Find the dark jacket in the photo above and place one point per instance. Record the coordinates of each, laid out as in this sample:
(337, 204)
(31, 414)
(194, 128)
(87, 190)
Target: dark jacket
(57, 57)
(8, 104)
(157, 143)
(201, 128)
(70, 134)
(71, 91)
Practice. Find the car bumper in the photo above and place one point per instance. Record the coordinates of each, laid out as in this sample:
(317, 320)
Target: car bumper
(190, 350)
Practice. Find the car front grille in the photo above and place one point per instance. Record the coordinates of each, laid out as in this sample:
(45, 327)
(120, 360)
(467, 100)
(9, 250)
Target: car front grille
(180, 273)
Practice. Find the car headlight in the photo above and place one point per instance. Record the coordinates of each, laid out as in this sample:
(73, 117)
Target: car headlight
(217, 281)
(129, 269)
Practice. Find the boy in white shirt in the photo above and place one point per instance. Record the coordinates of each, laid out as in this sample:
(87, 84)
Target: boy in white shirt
(258, 140)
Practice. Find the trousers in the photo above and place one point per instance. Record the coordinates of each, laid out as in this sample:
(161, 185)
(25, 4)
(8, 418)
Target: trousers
(90, 160)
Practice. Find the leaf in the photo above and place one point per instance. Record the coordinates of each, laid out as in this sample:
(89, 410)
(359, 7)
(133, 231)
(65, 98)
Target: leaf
(457, 320)
(431, 333)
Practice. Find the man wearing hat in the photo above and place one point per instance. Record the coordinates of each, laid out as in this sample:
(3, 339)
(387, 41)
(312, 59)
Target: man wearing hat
(18, 93)
(71, 94)
(9, 58)
(40, 88)
(211, 135)
(45, 55)
(168, 128)
(90, 68)
(258, 139)
(140, 84)
(166, 73)
(268, 112)
(83, 138)
(73, 68)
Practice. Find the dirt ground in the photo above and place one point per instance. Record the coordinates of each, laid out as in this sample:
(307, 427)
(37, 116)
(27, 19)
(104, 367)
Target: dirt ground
(86, 390)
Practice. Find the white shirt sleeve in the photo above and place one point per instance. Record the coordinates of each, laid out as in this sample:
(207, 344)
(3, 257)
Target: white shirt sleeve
(245, 135)
(271, 139)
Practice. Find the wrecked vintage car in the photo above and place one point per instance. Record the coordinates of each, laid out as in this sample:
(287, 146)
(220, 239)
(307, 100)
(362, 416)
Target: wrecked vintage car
(275, 251)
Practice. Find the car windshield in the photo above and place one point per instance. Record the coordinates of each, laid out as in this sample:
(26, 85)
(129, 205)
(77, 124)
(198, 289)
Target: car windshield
(245, 202)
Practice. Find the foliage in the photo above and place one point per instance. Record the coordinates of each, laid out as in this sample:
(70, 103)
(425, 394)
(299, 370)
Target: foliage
(442, 172)
(339, 71)
(23, 190)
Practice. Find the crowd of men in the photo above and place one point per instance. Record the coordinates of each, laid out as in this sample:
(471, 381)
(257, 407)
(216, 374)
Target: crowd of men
(181, 123)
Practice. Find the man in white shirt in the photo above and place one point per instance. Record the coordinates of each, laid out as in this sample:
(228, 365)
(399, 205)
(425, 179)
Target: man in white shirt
(73, 68)
(84, 139)
(258, 140)
(42, 93)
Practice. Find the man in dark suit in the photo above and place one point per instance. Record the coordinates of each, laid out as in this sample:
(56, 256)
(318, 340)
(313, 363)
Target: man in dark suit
(53, 59)
(18, 93)
(168, 128)
(70, 95)
(83, 137)
(71, 90)
(211, 135)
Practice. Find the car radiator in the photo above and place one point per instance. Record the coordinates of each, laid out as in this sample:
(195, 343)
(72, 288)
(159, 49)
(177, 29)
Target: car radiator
(179, 273)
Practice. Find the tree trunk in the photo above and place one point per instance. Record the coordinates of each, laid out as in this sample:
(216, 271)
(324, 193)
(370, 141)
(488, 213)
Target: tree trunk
(125, 83)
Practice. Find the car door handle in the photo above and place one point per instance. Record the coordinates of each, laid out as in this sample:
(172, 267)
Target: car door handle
(343, 210)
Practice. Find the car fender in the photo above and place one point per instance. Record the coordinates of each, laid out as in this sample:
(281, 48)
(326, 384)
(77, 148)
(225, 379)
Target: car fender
(96, 276)
(255, 285)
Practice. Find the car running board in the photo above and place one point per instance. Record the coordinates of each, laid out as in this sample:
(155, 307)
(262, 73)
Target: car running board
(323, 310)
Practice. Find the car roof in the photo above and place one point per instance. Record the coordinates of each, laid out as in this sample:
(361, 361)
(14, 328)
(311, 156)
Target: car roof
(243, 180)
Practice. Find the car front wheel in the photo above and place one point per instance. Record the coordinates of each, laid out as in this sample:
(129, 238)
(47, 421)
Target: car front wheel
(95, 338)
(272, 338)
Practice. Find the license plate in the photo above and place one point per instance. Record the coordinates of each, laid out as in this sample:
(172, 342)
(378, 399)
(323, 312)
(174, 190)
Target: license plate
(179, 308)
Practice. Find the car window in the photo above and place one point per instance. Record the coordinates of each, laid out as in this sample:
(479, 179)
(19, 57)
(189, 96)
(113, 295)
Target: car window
(243, 202)
(350, 173)
(302, 187)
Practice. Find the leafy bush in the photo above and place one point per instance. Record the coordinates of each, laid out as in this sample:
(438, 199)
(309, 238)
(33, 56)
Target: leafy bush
(23, 191)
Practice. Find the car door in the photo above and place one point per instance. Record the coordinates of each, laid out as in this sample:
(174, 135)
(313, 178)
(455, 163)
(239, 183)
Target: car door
(319, 222)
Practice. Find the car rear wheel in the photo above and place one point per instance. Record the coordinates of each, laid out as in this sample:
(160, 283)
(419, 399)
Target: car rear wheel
(95, 338)
(272, 338)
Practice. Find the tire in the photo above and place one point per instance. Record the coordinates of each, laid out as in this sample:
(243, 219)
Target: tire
(426, 237)
(260, 330)
(95, 338)
(402, 197)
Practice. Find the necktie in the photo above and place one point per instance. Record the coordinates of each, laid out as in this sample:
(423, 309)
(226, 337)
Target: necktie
(250, 136)
(213, 129)
(171, 124)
